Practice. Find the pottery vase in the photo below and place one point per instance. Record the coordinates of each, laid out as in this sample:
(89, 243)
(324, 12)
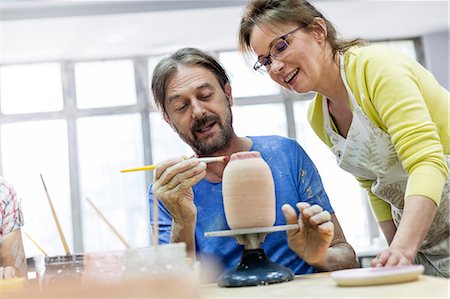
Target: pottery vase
(248, 191)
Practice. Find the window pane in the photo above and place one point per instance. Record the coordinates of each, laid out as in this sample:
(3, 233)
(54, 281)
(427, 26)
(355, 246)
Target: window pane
(108, 144)
(405, 46)
(165, 142)
(31, 88)
(30, 149)
(105, 84)
(244, 81)
(341, 187)
(265, 119)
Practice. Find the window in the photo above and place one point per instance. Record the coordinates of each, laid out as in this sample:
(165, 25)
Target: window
(244, 81)
(265, 119)
(29, 149)
(105, 84)
(106, 145)
(31, 88)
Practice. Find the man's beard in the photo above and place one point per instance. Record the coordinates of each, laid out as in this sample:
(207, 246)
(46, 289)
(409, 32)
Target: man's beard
(218, 143)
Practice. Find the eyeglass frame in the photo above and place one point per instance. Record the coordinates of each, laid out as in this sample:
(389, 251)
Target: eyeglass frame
(258, 65)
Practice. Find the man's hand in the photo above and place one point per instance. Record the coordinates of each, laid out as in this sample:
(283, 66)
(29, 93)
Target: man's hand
(173, 183)
(312, 240)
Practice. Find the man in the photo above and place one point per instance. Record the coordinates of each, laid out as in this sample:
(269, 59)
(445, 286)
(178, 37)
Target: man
(12, 255)
(194, 94)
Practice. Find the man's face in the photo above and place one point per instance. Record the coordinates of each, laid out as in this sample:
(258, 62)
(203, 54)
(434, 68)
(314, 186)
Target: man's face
(199, 110)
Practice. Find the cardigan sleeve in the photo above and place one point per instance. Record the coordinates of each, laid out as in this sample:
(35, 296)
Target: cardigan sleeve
(393, 84)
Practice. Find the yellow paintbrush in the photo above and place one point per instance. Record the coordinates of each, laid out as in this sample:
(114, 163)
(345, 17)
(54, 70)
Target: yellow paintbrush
(151, 167)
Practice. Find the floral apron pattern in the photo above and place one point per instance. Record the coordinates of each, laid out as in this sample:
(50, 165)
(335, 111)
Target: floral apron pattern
(368, 153)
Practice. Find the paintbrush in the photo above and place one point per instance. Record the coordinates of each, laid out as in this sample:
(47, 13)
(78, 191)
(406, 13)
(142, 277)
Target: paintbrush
(118, 235)
(39, 247)
(153, 166)
(58, 225)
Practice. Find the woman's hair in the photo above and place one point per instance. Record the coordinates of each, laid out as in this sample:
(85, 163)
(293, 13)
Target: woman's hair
(271, 13)
(167, 67)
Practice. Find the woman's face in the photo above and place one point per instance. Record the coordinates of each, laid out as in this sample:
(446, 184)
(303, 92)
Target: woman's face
(299, 66)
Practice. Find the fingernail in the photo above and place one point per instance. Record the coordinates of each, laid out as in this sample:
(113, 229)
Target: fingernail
(378, 265)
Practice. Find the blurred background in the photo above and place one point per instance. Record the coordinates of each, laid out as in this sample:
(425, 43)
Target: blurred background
(75, 104)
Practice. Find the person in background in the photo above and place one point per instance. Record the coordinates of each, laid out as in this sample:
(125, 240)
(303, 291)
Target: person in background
(194, 94)
(12, 254)
(384, 116)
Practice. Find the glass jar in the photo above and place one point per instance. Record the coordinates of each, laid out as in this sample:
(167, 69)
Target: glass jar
(103, 268)
(164, 270)
(55, 270)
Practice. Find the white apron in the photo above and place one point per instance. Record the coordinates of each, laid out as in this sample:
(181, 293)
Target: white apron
(368, 153)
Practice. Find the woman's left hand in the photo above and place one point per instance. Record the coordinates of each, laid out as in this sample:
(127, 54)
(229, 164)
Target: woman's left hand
(391, 257)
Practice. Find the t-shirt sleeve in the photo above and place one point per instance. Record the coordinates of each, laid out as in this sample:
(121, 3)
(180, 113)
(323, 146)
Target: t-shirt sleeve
(309, 183)
(11, 217)
(164, 219)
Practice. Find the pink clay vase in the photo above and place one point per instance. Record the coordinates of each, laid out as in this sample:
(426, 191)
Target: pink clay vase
(248, 191)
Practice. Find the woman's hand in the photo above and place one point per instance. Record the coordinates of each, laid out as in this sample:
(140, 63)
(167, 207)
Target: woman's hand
(391, 257)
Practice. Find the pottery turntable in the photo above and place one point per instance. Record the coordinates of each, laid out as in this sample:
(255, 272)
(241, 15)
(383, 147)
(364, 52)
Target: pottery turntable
(249, 203)
(254, 267)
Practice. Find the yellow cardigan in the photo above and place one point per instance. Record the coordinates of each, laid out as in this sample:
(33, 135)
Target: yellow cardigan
(405, 100)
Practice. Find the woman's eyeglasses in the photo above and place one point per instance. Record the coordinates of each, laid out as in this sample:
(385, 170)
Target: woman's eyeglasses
(277, 50)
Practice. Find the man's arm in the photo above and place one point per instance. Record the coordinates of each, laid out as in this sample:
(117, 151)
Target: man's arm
(319, 241)
(340, 253)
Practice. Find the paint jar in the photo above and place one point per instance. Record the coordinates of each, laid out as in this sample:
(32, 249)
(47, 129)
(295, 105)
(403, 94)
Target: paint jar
(248, 191)
(163, 269)
(55, 270)
(103, 268)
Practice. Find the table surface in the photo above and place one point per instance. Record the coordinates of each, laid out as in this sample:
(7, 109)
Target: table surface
(321, 285)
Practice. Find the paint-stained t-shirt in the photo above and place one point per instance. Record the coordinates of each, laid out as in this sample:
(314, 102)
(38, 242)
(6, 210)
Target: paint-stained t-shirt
(296, 180)
(11, 217)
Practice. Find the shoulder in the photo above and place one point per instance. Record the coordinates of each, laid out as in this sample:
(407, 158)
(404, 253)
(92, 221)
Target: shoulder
(274, 143)
(7, 192)
(378, 53)
(376, 60)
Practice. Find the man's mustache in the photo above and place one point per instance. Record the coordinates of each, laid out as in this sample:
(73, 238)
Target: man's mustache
(200, 123)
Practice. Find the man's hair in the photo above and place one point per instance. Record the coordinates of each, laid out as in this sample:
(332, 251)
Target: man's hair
(167, 67)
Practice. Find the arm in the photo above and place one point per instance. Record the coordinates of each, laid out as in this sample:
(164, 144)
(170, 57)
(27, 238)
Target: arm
(417, 217)
(12, 255)
(319, 241)
(389, 229)
(410, 105)
(173, 183)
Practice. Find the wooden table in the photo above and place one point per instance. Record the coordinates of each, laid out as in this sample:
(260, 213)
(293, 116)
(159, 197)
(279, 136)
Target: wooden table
(321, 285)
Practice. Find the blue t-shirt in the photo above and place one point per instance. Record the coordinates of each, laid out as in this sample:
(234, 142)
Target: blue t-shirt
(296, 180)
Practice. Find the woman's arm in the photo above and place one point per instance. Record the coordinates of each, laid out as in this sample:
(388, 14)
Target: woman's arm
(12, 253)
(418, 214)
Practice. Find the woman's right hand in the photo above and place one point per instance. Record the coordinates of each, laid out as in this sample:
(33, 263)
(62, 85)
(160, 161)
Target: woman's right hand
(7, 272)
(173, 183)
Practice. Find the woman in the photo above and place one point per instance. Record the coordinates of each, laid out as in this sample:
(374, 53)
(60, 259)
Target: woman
(12, 255)
(382, 114)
